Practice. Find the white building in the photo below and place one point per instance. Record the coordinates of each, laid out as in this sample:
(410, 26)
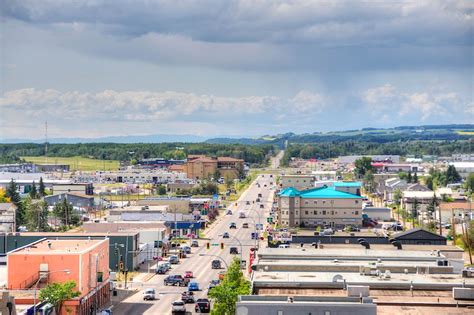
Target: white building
(463, 168)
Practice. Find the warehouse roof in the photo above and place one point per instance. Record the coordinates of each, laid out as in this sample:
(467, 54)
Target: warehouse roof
(321, 192)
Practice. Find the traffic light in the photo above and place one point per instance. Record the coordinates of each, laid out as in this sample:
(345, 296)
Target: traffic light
(208, 245)
(222, 245)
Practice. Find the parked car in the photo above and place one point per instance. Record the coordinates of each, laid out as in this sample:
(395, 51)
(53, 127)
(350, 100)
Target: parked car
(245, 225)
(193, 286)
(188, 297)
(262, 206)
(188, 274)
(176, 280)
(174, 259)
(257, 200)
(247, 202)
(202, 306)
(149, 294)
(225, 235)
(216, 264)
(283, 246)
(166, 264)
(194, 243)
(178, 307)
(213, 283)
(233, 251)
(254, 236)
(232, 225)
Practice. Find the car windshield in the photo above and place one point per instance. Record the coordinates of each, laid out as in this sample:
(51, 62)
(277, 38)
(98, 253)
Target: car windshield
(178, 303)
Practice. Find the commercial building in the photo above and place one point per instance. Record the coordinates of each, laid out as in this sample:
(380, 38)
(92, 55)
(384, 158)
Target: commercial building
(298, 181)
(179, 187)
(378, 214)
(464, 168)
(7, 217)
(24, 181)
(124, 245)
(202, 167)
(77, 188)
(81, 201)
(182, 204)
(350, 159)
(136, 176)
(50, 260)
(318, 207)
(53, 167)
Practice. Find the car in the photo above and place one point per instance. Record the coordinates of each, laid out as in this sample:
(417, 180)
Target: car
(193, 286)
(202, 306)
(225, 235)
(213, 283)
(178, 307)
(254, 235)
(187, 297)
(166, 264)
(188, 274)
(265, 185)
(259, 196)
(186, 249)
(245, 225)
(232, 225)
(284, 246)
(233, 251)
(174, 259)
(257, 200)
(194, 243)
(176, 280)
(262, 206)
(229, 212)
(161, 269)
(216, 264)
(149, 294)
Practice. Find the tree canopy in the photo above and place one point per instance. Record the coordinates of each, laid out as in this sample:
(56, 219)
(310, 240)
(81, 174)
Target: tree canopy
(57, 293)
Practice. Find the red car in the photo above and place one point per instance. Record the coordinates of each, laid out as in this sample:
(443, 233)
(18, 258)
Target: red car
(188, 274)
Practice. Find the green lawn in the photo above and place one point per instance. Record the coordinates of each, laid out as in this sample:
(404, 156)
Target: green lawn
(76, 163)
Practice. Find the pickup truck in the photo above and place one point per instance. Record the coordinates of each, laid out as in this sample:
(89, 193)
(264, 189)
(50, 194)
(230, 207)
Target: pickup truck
(176, 280)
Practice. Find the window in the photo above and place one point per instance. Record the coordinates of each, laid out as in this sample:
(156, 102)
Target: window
(296, 212)
(315, 202)
(306, 212)
(324, 201)
(357, 213)
(279, 312)
(327, 312)
(357, 201)
(332, 212)
(324, 212)
(306, 202)
(315, 212)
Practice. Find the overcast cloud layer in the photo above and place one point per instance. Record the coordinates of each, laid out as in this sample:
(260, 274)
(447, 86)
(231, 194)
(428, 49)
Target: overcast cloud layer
(98, 68)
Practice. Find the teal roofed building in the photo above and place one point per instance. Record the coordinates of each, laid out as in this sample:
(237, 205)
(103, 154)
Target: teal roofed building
(323, 206)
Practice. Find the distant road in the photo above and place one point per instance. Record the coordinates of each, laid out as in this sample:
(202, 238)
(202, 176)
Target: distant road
(275, 161)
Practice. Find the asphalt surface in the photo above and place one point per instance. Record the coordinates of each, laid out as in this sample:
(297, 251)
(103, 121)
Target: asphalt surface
(201, 265)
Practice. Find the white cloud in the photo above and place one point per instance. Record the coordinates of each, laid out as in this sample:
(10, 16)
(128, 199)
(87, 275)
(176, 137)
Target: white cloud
(423, 105)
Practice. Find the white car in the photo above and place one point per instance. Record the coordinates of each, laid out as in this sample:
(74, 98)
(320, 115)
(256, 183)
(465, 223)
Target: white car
(178, 306)
(149, 294)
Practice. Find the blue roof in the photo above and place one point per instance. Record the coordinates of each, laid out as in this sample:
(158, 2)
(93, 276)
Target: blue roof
(347, 184)
(322, 192)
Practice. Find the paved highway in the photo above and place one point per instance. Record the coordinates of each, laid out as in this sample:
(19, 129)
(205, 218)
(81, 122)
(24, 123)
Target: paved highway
(201, 265)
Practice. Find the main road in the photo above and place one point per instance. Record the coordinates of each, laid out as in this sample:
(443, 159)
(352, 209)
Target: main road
(199, 261)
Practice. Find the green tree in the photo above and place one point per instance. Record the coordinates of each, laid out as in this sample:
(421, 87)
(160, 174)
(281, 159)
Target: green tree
(469, 184)
(225, 295)
(216, 175)
(65, 212)
(41, 188)
(369, 183)
(409, 178)
(415, 207)
(57, 293)
(403, 175)
(12, 193)
(415, 178)
(432, 206)
(397, 196)
(452, 175)
(429, 182)
(36, 214)
(161, 190)
(362, 166)
(33, 192)
(3, 196)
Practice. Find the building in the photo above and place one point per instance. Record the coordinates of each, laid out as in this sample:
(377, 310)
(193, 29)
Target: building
(396, 277)
(460, 211)
(350, 159)
(7, 217)
(81, 189)
(179, 187)
(202, 167)
(158, 163)
(124, 245)
(304, 305)
(77, 200)
(18, 168)
(390, 186)
(24, 181)
(52, 260)
(318, 207)
(378, 214)
(324, 175)
(136, 176)
(396, 167)
(464, 168)
(53, 168)
(297, 181)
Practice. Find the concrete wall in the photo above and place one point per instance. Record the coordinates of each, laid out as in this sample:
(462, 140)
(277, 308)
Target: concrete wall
(463, 294)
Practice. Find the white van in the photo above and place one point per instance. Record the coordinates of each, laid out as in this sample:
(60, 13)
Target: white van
(283, 246)
(149, 294)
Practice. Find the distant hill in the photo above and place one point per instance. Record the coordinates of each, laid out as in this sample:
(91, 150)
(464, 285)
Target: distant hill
(378, 135)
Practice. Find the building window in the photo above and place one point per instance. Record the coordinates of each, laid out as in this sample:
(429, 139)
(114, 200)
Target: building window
(357, 201)
(296, 212)
(315, 202)
(306, 212)
(306, 202)
(324, 212)
(324, 201)
(327, 312)
(315, 212)
(357, 213)
(332, 212)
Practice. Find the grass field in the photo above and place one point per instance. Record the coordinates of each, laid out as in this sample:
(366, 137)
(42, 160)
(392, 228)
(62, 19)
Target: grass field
(76, 163)
(466, 133)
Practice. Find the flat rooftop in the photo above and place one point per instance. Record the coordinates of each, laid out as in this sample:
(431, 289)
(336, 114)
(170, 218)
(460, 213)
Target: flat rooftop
(53, 246)
(72, 234)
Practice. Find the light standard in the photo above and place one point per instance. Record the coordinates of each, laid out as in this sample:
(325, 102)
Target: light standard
(238, 241)
(42, 275)
(217, 256)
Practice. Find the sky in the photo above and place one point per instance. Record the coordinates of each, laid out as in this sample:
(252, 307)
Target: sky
(237, 68)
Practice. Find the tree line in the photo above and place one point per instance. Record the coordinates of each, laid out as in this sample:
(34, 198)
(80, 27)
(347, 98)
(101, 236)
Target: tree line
(255, 154)
(334, 149)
